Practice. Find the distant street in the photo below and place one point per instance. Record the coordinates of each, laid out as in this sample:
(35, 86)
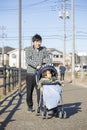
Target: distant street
(14, 114)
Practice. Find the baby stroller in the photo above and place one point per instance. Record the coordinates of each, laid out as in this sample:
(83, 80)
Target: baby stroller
(52, 94)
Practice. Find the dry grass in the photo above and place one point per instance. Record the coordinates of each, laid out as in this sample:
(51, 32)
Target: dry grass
(79, 78)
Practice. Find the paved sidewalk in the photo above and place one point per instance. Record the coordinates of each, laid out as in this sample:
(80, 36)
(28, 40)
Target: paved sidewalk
(14, 114)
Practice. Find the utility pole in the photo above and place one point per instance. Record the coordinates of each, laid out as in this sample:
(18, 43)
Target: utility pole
(73, 43)
(20, 43)
(64, 33)
(63, 15)
(3, 35)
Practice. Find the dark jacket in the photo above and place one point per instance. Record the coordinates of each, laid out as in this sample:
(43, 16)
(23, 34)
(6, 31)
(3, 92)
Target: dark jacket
(62, 69)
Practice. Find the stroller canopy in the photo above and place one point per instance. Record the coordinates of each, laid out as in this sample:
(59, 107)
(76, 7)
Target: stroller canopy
(43, 68)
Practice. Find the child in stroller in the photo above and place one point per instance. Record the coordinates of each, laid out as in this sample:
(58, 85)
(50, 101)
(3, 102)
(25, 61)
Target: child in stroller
(50, 91)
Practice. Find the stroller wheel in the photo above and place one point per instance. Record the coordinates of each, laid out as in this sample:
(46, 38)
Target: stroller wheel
(64, 114)
(44, 115)
(60, 114)
(37, 112)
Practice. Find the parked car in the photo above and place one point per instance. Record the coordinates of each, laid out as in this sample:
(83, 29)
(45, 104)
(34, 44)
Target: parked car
(77, 68)
(85, 67)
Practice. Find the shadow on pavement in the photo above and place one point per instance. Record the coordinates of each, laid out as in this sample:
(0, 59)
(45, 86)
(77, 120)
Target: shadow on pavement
(13, 97)
(72, 108)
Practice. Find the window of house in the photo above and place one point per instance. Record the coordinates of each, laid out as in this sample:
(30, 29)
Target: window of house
(13, 55)
(56, 56)
(61, 56)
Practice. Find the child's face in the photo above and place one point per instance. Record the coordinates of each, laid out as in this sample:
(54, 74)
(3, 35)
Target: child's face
(49, 75)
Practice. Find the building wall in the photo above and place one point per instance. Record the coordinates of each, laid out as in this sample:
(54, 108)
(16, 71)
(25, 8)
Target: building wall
(57, 57)
(83, 57)
(6, 59)
(14, 58)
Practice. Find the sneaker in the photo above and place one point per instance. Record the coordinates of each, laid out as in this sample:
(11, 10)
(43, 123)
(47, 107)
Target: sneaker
(30, 109)
(38, 111)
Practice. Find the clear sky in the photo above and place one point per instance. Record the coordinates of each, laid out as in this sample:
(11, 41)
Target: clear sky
(41, 16)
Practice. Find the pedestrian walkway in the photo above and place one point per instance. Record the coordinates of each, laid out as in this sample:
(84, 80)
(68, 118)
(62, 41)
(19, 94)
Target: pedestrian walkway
(14, 114)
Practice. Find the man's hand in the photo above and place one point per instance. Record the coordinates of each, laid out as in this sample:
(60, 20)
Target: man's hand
(41, 89)
(38, 67)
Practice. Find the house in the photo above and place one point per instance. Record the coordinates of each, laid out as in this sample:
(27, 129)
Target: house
(56, 55)
(14, 58)
(83, 57)
(6, 49)
(80, 58)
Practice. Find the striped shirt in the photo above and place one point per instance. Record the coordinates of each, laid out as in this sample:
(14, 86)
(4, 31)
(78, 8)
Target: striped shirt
(35, 57)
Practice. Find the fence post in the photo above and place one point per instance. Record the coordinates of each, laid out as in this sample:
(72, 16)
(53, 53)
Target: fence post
(4, 79)
(12, 78)
(9, 82)
(15, 76)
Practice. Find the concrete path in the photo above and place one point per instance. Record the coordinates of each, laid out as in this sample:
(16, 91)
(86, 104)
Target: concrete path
(14, 114)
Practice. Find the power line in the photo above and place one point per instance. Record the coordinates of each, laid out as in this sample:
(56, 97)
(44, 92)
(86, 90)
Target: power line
(68, 5)
(37, 3)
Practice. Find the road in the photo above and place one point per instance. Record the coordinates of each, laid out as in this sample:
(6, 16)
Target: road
(14, 114)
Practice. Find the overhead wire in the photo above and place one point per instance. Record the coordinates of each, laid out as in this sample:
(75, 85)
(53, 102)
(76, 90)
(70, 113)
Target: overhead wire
(80, 8)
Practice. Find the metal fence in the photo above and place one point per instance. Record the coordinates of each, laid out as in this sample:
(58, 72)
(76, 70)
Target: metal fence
(9, 78)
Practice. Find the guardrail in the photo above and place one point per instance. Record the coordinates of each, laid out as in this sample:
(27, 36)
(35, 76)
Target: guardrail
(9, 78)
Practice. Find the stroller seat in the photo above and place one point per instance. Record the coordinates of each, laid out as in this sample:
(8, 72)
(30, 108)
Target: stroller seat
(51, 94)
